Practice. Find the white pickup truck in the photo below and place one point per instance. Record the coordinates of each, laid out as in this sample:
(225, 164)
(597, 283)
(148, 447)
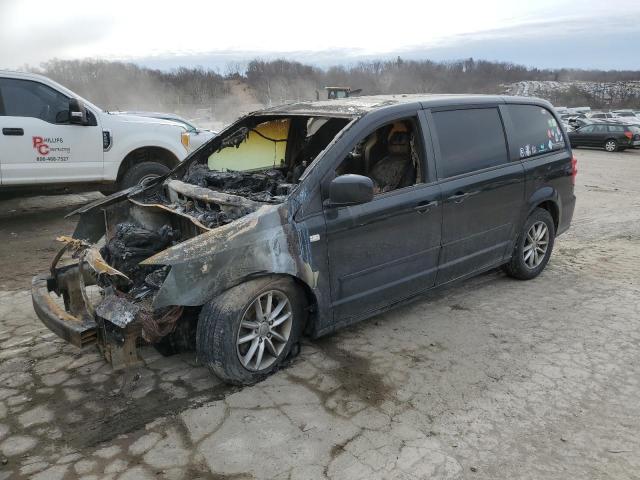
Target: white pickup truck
(52, 137)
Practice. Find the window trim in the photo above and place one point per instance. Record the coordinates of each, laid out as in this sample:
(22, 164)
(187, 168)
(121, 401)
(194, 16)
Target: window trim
(436, 141)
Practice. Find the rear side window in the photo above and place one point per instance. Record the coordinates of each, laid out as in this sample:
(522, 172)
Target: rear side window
(616, 128)
(535, 130)
(469, 140)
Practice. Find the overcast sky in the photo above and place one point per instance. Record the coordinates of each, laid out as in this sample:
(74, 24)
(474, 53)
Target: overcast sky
(544, 33)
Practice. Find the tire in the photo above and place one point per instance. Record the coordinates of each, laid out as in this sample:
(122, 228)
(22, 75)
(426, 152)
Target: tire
(525, 268)
(610, 145)
(141, 172)
(219, 329)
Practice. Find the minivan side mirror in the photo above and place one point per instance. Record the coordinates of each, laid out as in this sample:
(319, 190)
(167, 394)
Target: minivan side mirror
(77, 112)
(350, 189)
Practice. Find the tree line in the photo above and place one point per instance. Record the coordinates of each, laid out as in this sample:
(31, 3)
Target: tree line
(126, 86)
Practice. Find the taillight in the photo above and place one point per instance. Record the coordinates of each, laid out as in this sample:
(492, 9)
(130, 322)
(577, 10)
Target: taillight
(628, 134)
(574, 169)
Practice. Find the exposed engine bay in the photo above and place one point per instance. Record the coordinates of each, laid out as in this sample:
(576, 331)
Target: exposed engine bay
(258, 163)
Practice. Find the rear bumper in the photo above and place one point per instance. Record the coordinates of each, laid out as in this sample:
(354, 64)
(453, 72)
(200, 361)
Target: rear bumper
(568, 206)
(77, 330)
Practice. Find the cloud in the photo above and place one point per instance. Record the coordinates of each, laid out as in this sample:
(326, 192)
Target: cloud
(214, 35)
(556, 43)
(30, 36)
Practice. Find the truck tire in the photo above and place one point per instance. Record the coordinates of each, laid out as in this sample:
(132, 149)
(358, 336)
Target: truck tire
(141, 172)
(533, 246)
(241, 342)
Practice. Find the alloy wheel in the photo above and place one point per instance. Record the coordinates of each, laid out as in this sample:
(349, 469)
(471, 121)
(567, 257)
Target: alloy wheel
(535, 245)
(264, 330)
(610, 146)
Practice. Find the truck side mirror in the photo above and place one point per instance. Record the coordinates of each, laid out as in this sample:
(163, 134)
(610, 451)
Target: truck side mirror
(77, 112)
(350, 189)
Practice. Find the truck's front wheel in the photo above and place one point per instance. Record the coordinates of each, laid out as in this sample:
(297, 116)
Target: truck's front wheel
(141, 173)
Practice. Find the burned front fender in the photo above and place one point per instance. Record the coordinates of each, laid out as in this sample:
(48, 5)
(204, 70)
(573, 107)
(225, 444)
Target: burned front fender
(263, 242)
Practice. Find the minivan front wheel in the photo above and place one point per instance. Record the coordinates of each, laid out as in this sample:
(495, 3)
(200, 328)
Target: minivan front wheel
(611, 145)
(244, 334)
(533, 246)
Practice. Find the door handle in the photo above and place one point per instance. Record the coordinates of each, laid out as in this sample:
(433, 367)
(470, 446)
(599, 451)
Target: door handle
(13, 131)
(458, 197)
(425, 206)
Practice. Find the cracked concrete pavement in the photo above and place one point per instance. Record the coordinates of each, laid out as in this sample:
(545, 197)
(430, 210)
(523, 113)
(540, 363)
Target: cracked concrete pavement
(493, 378)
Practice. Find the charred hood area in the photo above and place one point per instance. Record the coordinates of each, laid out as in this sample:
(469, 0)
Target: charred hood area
(270, 186)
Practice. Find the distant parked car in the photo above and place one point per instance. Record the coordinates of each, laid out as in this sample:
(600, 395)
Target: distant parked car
(198, 136)
(623, 111)
(627, 115)
(566, 116)
(611, 136)
(602, 115)
(577, 122)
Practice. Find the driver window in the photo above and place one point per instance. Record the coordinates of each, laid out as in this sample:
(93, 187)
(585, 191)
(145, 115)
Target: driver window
(25, 98)
(391, 156)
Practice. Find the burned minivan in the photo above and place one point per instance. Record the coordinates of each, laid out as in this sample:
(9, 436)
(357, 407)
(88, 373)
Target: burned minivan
(304, 218)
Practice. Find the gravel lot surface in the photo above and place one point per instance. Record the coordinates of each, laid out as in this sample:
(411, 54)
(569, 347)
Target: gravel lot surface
(492, 379)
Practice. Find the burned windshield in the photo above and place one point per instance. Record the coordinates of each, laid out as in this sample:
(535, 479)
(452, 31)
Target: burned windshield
(264, 159)
(263, 146)
(257, 161)
(282, 143)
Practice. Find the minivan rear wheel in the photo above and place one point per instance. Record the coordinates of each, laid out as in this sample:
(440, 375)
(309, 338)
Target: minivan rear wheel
(245, 333)
(533, 246)
(611, 145)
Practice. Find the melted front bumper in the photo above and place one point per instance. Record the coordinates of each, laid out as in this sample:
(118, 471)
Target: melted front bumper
(76, 320)
(80, 329)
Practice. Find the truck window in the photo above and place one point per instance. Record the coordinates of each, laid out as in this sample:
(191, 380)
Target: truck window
(469, 140)
(24, 98)
(536, 131)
